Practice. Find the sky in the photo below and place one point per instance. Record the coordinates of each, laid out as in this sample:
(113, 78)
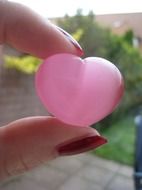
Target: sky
(58, 8)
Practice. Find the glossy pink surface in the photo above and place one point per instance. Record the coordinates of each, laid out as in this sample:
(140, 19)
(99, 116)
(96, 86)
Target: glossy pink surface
(76, 91)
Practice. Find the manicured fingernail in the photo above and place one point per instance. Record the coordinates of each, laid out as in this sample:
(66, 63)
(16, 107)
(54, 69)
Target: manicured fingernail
(81, 145)
(72, 40)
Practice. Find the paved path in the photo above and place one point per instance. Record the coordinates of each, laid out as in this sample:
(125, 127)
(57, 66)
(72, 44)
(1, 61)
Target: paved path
(82, 172)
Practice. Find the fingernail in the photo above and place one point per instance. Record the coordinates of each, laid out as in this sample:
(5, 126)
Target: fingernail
(72, 40)
(82, 145)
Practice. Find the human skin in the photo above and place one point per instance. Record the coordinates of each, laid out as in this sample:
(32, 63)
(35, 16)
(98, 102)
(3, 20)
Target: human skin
(30, 142)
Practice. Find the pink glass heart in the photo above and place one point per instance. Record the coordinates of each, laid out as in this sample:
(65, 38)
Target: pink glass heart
(76, 91)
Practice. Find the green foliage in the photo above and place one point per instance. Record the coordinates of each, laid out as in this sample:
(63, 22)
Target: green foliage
(129, 61)
(128, 37)
(121, 142)
(78, 34)
(26, 64)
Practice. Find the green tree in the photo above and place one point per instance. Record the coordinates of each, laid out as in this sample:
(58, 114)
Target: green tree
(128, 37)
(26, 64)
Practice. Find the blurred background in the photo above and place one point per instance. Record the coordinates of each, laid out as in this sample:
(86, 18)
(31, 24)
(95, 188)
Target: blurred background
(110, 29)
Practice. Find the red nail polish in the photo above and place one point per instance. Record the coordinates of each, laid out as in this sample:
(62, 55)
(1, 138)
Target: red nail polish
(72, 40)
(82, 145)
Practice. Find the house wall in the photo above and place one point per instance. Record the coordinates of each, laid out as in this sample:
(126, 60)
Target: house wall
(120, 23)
(17, 96)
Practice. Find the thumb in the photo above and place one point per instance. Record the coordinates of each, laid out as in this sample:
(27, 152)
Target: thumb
(28, 142)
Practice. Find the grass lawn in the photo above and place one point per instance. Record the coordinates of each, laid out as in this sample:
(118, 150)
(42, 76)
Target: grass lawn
(121, 142)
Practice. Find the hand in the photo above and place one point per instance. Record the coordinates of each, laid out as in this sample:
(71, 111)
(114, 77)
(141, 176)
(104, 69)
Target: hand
(29, 142)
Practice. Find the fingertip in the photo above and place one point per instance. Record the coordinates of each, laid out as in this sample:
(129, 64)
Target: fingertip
(79, 50)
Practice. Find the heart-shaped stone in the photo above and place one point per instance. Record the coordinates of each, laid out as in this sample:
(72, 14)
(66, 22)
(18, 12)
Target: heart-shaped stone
(79, 92)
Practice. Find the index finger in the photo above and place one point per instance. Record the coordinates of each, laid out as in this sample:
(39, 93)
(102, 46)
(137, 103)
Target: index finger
(27, 31)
